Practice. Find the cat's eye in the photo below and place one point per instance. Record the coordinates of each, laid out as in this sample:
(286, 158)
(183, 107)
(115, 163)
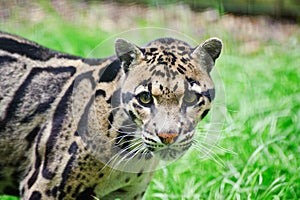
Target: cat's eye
(190, 98)
(145, 98)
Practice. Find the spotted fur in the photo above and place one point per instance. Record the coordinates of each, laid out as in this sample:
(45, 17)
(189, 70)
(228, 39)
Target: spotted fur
(76, 128)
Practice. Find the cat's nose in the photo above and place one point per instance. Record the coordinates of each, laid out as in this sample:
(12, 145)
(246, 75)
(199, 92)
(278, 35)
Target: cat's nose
(167, 138)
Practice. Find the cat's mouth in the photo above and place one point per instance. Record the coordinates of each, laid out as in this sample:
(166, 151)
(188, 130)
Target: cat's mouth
(167, 146)
(170, 152)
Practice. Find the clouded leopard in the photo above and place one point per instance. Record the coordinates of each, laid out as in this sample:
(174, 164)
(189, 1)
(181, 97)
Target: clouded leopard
(79, 128)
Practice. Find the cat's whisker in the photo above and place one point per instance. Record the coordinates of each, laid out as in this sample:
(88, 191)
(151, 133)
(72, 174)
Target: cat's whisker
(125, 157)
(215, 146)
(210, 154)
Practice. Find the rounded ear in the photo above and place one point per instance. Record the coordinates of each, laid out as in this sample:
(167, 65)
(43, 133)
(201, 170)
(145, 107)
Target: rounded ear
(127, 53)
(213, 47)
(208, 52)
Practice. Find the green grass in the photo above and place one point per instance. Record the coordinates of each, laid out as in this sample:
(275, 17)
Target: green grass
(261, 114)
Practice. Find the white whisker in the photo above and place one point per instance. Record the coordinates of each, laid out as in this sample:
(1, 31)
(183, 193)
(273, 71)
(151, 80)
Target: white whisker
(216, 146)
(210, 154)
(136, 149)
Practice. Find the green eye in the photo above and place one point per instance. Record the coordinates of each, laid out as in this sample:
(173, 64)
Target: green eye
(145, 98)
(190, 98)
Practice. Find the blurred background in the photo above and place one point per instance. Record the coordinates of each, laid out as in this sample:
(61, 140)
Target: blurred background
(248, 146)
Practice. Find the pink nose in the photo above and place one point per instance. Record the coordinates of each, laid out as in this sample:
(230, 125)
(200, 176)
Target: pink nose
(168, 138)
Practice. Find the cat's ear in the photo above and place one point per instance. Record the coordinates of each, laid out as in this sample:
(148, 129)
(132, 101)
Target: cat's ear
(128, 53)
(212, 47)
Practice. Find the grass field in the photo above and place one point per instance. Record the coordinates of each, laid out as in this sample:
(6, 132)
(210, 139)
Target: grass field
(257, 155)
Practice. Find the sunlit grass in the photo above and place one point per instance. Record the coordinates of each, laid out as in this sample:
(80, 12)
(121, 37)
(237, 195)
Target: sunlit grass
(261, 122)
(6, 197)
